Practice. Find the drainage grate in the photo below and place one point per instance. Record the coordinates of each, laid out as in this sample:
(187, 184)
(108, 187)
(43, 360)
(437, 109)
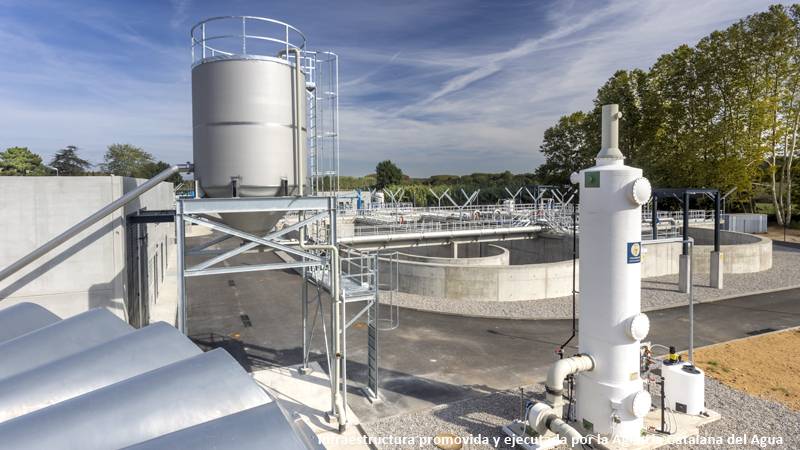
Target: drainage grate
(246, 320)
(231, 283)
(757, 332)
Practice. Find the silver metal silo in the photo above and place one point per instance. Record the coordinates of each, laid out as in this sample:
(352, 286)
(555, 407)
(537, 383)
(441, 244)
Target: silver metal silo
(248, 114)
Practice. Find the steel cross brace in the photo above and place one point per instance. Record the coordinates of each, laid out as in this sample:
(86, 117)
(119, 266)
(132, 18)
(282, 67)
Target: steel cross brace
(255, 240)
(440, 197)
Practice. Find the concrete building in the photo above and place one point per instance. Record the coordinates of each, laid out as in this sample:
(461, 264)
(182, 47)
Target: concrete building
(115, 264)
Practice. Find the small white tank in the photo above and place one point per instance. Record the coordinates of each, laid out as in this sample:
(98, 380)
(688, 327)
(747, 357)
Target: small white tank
(684, 386)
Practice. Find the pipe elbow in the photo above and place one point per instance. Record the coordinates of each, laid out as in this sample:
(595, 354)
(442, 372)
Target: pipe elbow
(559, 371)
(545, 420)
(185, 168)
(554, 387)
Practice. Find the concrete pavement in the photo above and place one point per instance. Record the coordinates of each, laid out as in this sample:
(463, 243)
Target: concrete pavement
(432, 359)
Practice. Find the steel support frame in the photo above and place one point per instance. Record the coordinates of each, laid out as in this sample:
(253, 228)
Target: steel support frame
(188, 209)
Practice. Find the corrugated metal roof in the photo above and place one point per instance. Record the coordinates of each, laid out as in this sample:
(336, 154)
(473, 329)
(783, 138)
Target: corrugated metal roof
(93, 382)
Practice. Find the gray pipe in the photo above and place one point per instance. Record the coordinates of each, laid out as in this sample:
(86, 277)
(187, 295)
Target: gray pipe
(93, 219)
(189, 392)
(265, 427)
(127, 356)
(298, 148)
(337, 401)
(22, 319)
(60, 339)
(353, 240)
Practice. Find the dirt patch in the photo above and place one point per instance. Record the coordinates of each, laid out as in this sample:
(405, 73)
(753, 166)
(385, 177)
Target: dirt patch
(764, 366)
(775, 233)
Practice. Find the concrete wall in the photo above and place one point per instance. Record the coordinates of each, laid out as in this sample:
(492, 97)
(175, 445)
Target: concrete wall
(546, 248)
(741, 253)
(160, 236)
(89, 270)
(495, 255)
(429, 272)
(484, 283)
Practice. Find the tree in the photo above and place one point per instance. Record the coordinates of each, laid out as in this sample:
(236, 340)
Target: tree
(67, 162)
(19, 161)
(566, 148)
(724, 113)
(124, 160)
(151, 169)
(388, 174)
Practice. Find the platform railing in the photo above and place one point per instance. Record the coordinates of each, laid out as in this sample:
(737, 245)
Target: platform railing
(227, 44)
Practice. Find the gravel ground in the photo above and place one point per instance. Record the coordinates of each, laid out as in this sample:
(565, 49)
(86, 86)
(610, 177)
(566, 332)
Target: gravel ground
(742, 414)
(657, 292)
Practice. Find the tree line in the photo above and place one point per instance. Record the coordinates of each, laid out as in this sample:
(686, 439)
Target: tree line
(722, 114)
(427, 191)
(123, 160)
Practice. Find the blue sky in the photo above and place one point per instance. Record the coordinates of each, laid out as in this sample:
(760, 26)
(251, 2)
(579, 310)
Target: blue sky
(439, 87)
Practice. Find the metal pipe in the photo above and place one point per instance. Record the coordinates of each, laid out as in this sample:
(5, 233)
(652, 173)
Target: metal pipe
(335, 367)
(353, 240)
(686, 223)
(180, 238)
(298, 152)
(716, 220)
(691, 301)
(91, 220)
(304, 299)
(574, 291)
(655, 217)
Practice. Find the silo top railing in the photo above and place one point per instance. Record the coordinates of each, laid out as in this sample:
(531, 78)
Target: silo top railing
(226, 45)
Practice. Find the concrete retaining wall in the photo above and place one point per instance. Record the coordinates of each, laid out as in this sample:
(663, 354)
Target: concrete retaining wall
(546, 248)
(741, 253)
(484, 283)
(494, 255)
(438, 276)
(89, 270)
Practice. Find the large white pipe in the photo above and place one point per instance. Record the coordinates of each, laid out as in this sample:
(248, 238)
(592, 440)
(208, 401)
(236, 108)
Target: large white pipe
(610, 249)
(355, 240)
(546, 421)
(554, 387)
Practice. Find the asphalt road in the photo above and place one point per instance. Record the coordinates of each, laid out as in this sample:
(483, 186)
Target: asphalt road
(431, 359)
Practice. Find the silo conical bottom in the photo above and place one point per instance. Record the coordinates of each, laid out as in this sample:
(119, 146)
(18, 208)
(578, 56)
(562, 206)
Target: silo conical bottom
(256, 223)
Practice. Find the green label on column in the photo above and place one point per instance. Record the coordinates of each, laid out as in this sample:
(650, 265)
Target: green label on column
(592, 180)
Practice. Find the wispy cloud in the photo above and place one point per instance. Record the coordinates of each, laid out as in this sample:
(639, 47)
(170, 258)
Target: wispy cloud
(362, 78)
(180, 12)
(456, 86)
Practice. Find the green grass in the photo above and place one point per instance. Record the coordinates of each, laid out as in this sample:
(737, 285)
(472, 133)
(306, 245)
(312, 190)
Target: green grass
(784, 390)
(715, 365)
